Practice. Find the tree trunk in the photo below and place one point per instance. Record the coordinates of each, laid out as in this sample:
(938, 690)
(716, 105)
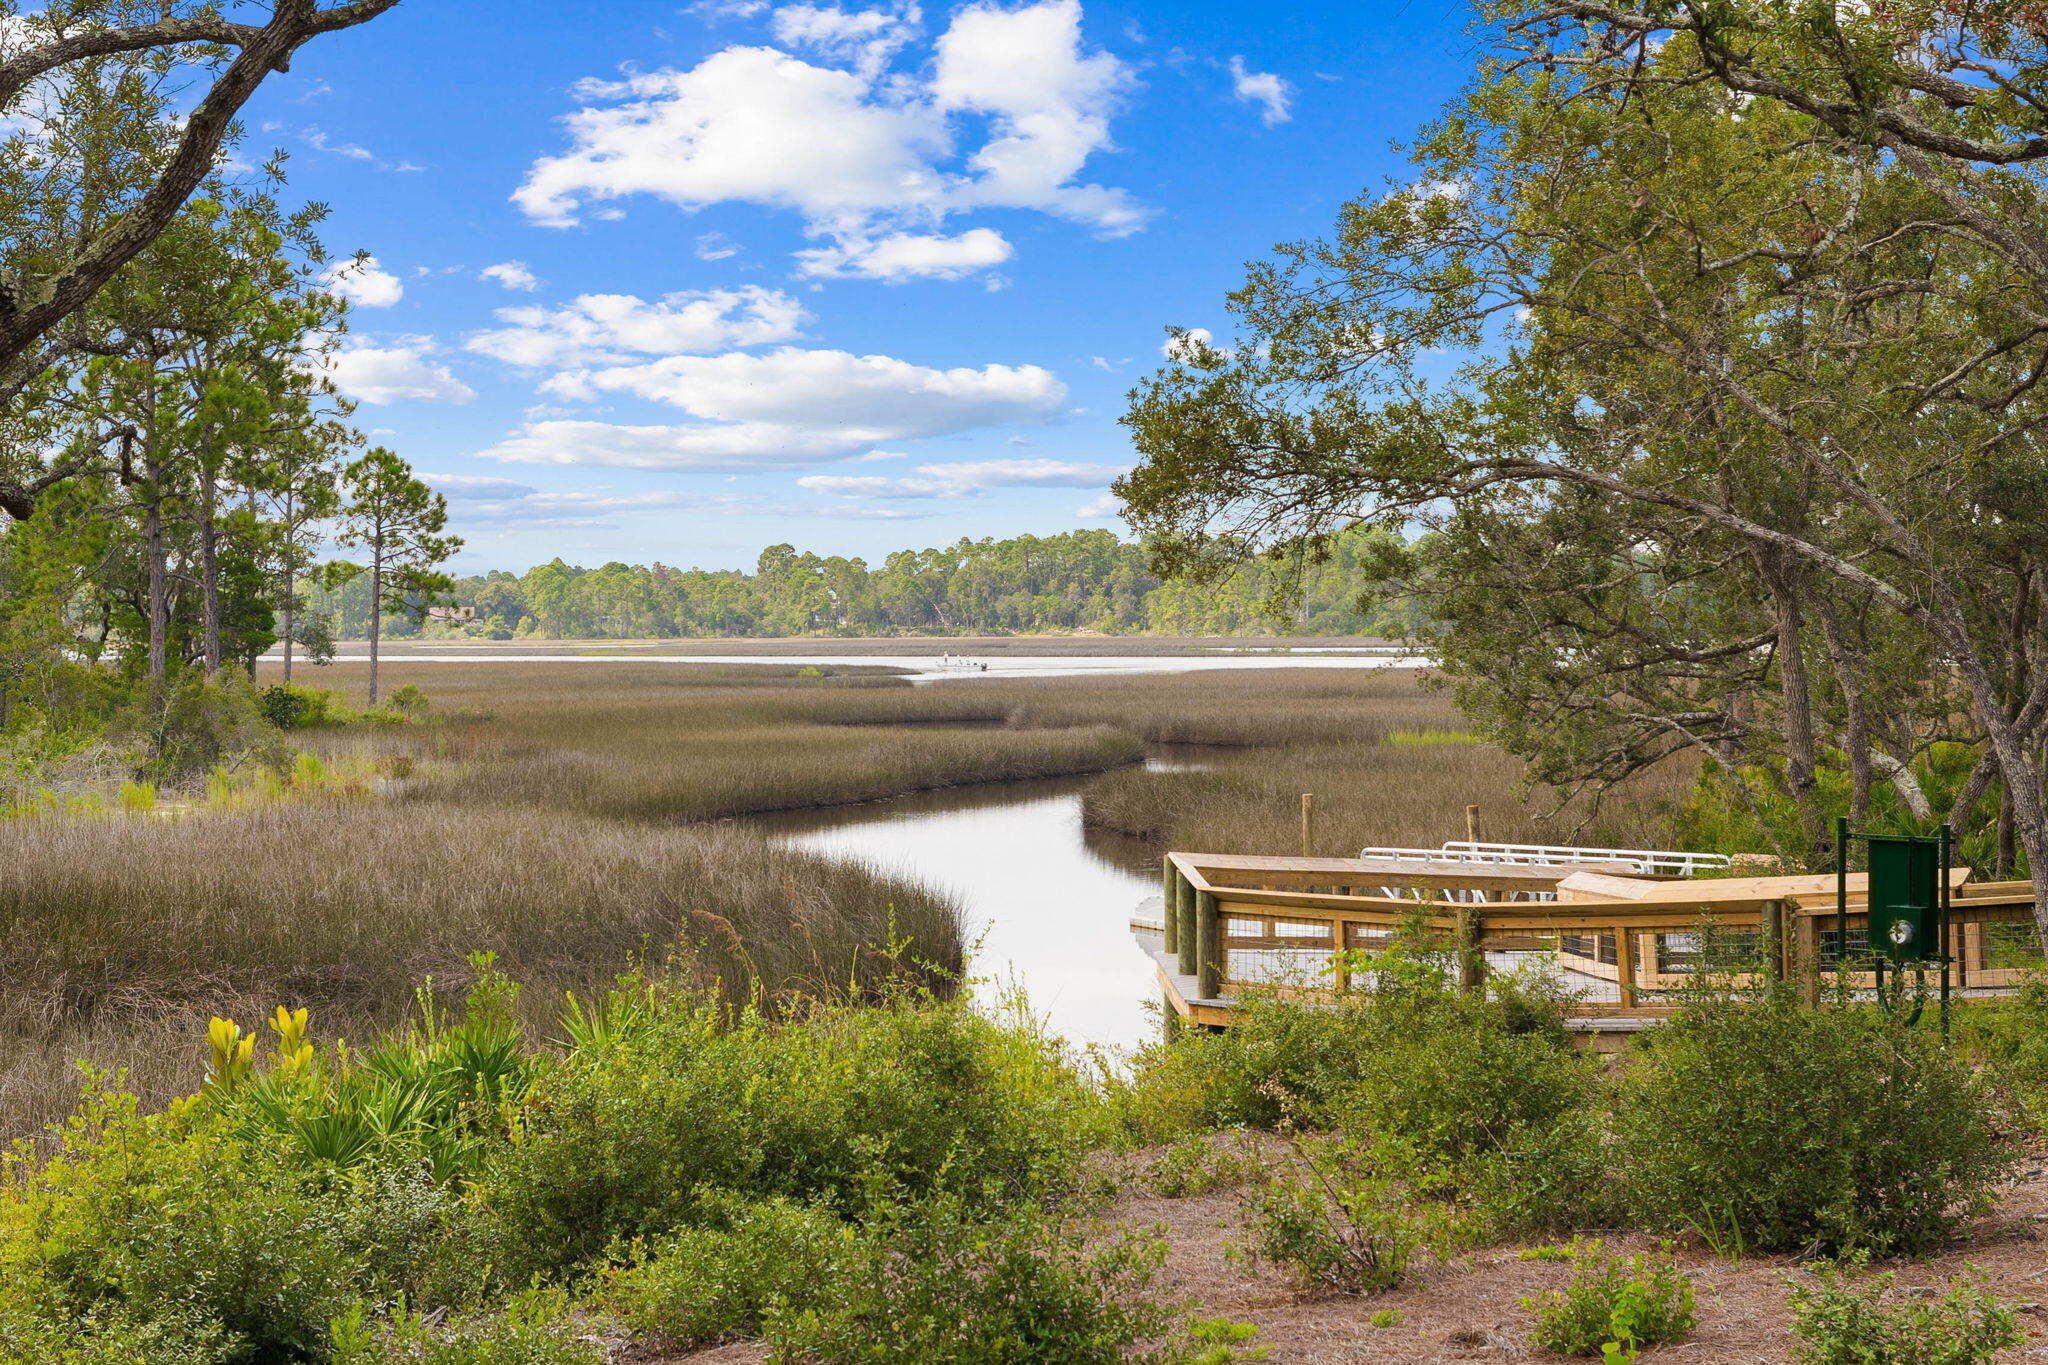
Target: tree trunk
(290, 617)
(376, 614)
(159, 614)
(1797, 701)
(2008, 844)
(209, 577)
(1856, 738)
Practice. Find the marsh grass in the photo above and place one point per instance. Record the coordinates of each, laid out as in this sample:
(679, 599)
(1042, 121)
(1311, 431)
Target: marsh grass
(118, 938)
(554, 813)
(1400, 794)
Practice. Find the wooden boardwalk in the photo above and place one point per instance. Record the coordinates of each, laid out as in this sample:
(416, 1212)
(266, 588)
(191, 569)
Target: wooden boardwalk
(1624, 943)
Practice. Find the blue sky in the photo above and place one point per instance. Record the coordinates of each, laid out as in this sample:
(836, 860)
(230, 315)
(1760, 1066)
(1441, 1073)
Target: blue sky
(664, 283)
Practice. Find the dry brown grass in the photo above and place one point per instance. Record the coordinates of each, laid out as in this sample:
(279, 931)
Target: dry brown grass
(1372, 792)
(118, 938)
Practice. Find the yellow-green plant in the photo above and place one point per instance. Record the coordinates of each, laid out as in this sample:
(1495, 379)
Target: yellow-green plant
(294, 1054)
(138, 796)
(308, 772)
(232, 1059)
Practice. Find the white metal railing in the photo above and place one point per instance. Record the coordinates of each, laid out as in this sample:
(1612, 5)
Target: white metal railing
(1654, 860)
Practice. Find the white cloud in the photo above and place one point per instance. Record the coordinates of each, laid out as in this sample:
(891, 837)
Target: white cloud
(787, 408)
(873, 159)
(1274, 96)
(874, 486)
(478, 500)
(858, 400)
(1051, 107)
(748, 123)
(1182, 346)
(511, 274)
(864, 38)
(967, 480)
(378, 375)
(910, 255)
(605, 328)
(1026, 473)
(716, 246)
(1096, 509)
(319, 141)
(607, 444)
(364, 283)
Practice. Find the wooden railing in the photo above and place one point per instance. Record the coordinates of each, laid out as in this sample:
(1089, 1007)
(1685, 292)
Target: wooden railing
(1278, 923)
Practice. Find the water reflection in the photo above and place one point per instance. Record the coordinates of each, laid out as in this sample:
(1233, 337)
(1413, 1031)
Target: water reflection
(1049, 901)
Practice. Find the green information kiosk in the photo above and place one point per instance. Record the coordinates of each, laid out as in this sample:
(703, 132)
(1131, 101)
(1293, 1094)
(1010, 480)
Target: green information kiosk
(1908, 904)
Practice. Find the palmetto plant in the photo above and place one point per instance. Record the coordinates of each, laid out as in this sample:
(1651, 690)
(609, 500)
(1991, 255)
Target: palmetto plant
(435, 1094)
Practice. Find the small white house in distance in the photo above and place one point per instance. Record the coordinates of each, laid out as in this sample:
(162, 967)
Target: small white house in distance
(457, 614)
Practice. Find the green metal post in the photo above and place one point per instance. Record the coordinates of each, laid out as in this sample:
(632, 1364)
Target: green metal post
(1208, 947)
(1948, 835)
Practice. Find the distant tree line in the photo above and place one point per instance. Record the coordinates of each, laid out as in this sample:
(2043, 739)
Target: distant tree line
(1080, 580)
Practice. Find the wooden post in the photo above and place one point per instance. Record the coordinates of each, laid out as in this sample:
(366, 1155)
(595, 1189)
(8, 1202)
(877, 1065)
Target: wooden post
(1808, 948)
(1185, 910)
(1170, 1023)
(1471, 960)
(1625, 966)
(1773, 946)
(1308, 824)
(1471, 824)
(1208, 947)
(1169, 902)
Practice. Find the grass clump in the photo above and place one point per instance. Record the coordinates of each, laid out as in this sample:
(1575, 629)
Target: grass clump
(1329, 1222)
(941, 1284)
(534, 1328)
(1614, 1305)
(1850, 1318)
(1195, 1166)
(1758, 1123)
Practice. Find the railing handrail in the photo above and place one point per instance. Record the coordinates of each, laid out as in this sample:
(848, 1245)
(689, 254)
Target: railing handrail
(1644, 859)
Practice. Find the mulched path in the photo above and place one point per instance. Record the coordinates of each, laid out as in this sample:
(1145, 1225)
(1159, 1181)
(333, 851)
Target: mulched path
(1470, 1309)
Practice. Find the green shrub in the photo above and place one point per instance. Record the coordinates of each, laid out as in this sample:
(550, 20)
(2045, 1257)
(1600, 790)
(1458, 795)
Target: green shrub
(1847, 1320)
(109, 1337)
(188, 726)
(1495, 1065)
(939, 1286)
(2011, 1037)
(912, 1095)
(1613, 1306)
(410, 702)
(1759, 1123)
(1195, 1166)
(533, 1329)
(175, 1225)
(769, 1260)
(1331, 1223)
(1477, 1096)
(1278, 1061)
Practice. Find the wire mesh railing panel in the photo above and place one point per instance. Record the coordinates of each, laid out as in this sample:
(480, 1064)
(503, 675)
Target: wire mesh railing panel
(1278, 950)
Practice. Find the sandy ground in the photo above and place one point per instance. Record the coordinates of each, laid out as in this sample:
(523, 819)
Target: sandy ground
(1470, 1309)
